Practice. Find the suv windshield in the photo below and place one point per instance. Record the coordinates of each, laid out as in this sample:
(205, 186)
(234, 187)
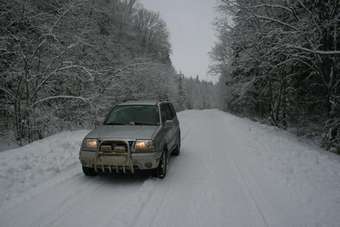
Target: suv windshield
(133, 115)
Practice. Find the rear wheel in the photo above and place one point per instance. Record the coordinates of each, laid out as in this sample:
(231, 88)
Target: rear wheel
(90, 172)
(163, 166)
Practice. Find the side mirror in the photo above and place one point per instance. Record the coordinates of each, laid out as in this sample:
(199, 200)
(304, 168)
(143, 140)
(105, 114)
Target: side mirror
(169, 123)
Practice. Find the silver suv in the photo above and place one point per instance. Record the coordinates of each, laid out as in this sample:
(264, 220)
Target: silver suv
(136, 135)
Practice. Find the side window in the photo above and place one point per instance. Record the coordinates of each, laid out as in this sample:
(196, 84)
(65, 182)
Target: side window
(173, 111)
(163, 113)
(169, 115)
(166, 113)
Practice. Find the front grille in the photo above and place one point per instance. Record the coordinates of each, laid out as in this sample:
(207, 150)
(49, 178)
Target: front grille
(113, 147)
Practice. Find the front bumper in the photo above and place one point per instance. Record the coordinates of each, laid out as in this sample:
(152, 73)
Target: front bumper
(135, 161)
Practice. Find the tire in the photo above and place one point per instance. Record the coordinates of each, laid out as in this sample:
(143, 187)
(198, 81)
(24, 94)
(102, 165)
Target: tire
(177, 150)
(162, 168)
(90, 172)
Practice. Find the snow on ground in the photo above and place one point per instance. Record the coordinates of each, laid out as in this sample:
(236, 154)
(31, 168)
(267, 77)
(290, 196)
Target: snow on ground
(231, 172)
(22, 169)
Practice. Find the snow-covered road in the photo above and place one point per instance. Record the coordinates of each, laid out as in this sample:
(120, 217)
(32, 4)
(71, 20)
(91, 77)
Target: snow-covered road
(231, 172)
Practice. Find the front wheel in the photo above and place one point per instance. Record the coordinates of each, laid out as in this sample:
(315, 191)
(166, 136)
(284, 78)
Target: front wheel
(163, 166)
(90, 172)
(177, 150)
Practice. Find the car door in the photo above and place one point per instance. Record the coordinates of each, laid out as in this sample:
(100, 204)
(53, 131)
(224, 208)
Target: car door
(172, 127)
(168, 128)
(165, 130)
(177, 133)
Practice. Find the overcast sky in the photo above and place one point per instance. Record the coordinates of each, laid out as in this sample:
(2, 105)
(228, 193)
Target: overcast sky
(191, 33)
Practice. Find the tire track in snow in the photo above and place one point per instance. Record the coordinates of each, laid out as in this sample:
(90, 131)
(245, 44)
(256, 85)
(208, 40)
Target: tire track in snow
(246, 187)
(69, 203)
(40, 189)
(108, 198)
(143, 201)
(160, 197)
(154, 192)
(161, 204)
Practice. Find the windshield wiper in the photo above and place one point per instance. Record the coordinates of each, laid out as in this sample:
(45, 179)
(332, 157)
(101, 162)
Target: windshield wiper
(114, 123)
(145, 123)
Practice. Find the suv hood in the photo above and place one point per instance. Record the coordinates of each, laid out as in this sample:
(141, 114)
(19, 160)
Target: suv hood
(131, 132)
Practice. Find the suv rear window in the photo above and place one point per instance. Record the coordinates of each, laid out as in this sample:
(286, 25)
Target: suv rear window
(133, 115)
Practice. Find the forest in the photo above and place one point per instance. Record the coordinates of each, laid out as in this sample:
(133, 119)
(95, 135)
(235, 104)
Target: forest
(65, 63)
(279, 64)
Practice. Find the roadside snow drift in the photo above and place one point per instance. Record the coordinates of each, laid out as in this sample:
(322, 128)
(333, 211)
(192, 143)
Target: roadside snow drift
(231, 172)
(24, 168)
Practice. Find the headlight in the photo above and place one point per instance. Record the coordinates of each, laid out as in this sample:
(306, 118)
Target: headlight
(90, 144)
(143, 146)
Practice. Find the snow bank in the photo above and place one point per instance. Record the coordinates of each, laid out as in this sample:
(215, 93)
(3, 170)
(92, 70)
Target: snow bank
(24, 168)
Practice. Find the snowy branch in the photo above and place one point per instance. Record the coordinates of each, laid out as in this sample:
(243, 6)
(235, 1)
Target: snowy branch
(303, 6)
(120, 70)
(60, 17)
(321, 52)
(296, 60)
(8, 92)
(38, 47)
(59, 97)
(116, 72)
(276, 21)
(274, 6)
(54, 72)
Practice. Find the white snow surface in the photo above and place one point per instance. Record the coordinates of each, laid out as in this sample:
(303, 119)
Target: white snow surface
(27, 167)
(231, 172)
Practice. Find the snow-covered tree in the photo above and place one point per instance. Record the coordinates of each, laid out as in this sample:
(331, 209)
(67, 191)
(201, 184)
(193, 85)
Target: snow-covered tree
(279, 61)
(65, 63)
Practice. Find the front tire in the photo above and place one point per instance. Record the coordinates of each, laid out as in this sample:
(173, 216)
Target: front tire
(162, 168)
(90, 172)
(177, 150)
